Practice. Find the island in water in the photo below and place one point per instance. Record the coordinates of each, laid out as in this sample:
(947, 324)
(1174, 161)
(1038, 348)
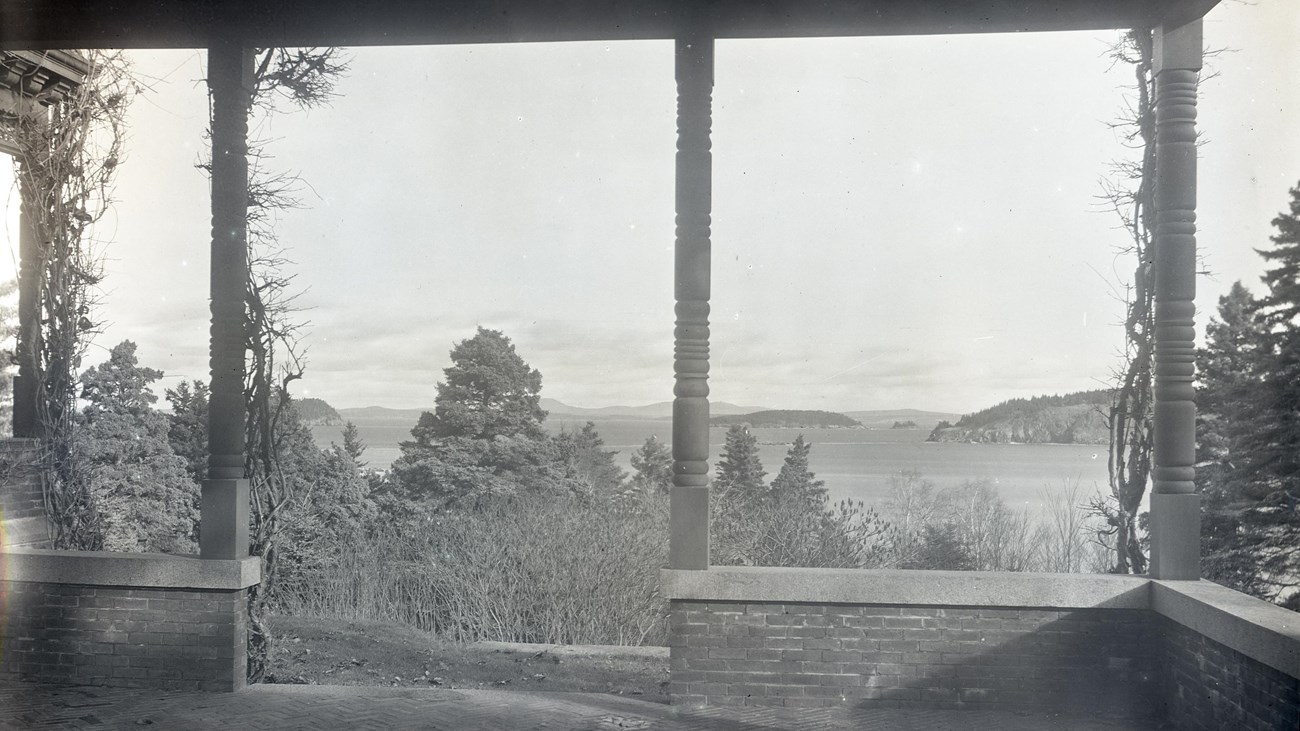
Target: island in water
(789, 419)
(1075, 418)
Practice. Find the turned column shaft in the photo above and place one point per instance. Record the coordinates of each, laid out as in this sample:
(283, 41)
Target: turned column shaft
(689, 542)
(1175, 508)
(224, 528)
(26, 388)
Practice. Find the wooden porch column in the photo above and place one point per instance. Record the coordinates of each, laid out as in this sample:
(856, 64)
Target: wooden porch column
(1175, 506)
(223, 527)
(26, 388)
(689, 541)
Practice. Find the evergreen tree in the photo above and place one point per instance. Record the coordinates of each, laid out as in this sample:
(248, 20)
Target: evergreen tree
(653, 468)
(484, 438)
(792, 524)
(941, 548)
(1281, 307)
(141, 491)
(352, 444)
(1272, 445)
(188, 430)
(489, 392)
(1229, 369)
(1249, 429)
(795, 481)
(739, 467)
(586, 467)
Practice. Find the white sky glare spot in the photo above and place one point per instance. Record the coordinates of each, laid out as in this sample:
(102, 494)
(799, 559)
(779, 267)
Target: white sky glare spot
(920, 236)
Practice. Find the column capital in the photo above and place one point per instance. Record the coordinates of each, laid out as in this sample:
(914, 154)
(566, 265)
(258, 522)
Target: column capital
(230, 62)
(1178, 47)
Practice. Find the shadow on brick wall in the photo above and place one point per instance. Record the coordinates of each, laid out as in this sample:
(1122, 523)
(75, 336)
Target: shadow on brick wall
(1095, 661)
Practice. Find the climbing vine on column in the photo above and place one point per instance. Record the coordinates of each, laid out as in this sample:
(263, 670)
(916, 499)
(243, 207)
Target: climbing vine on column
(70, 153)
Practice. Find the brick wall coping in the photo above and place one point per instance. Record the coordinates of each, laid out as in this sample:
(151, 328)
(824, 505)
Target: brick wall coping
(1257, 629)
(762, 584)
(102, 568)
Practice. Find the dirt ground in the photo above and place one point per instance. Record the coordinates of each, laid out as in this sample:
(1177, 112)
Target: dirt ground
(338, 652)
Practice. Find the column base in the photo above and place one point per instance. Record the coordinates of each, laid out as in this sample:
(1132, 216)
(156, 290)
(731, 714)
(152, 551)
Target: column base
(223, 519)
(688, 542)
(1176, 536)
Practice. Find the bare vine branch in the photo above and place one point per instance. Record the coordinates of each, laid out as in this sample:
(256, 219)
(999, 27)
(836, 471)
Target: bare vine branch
(304, 78)
(66, 172)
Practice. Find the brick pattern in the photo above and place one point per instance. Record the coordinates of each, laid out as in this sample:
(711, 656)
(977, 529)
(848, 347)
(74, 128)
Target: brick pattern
(1207, 685)
(812, 655)
(21, 495)
(123, 637)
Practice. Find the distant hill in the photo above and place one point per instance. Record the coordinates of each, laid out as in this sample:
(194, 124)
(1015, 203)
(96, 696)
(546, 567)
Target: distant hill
(315, 412)
(887, 418)
(559, 409)
(382, 414)
(660, 410)
(1075, 418)
(788, 419)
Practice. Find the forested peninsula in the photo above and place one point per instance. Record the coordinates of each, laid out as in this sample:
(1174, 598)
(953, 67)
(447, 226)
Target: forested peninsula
(1075, 418)
(788, 419)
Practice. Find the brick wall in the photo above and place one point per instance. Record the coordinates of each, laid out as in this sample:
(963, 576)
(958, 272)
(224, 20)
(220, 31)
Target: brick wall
(22, 502)
(1206, 685)
(730, 653)
(125, 637)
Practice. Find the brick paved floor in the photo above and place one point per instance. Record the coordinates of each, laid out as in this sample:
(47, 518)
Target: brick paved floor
(24, 706)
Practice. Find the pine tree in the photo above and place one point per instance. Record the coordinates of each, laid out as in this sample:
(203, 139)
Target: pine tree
(739, 468)
(1229, 369)
(793, 523)
(352, 444)
(653, 468)
(1281, 307)
(1273, 443)
(795, 481)
(484, 438)
(1249, 429)
(141, 490)
(588, 468)
(188, 431)
(488, 391)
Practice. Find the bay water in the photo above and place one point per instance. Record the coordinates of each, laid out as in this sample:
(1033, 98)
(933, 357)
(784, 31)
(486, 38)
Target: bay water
(854, 463)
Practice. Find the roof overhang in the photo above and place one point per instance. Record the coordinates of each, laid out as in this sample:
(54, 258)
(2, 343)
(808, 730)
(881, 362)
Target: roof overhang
(261, 23)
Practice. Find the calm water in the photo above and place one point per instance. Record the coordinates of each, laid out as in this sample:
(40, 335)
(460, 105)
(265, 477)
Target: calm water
(855, 463)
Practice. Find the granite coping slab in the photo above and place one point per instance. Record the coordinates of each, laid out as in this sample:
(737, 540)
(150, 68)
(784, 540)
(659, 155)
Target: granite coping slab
(131, 570)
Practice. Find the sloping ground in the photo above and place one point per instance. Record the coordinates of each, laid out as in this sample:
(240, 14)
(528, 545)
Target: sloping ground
(339, 652)
(322, 708)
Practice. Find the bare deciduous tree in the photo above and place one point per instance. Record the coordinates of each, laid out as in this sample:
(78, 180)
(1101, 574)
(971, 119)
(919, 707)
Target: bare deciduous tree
(1130, 193)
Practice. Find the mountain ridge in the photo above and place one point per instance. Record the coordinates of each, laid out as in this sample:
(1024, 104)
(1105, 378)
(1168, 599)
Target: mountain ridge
(658, 410)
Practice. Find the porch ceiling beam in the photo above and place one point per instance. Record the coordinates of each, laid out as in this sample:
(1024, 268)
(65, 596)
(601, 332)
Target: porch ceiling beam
(195, 23)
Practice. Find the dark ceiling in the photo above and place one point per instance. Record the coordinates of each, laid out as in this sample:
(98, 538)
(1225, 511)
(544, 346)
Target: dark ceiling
(195, 23)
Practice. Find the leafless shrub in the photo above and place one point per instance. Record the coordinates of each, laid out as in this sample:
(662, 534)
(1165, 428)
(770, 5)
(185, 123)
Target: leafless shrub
(549, 570)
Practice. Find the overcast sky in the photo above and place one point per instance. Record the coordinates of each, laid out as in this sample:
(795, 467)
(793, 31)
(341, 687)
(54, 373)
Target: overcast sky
(904, 222)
